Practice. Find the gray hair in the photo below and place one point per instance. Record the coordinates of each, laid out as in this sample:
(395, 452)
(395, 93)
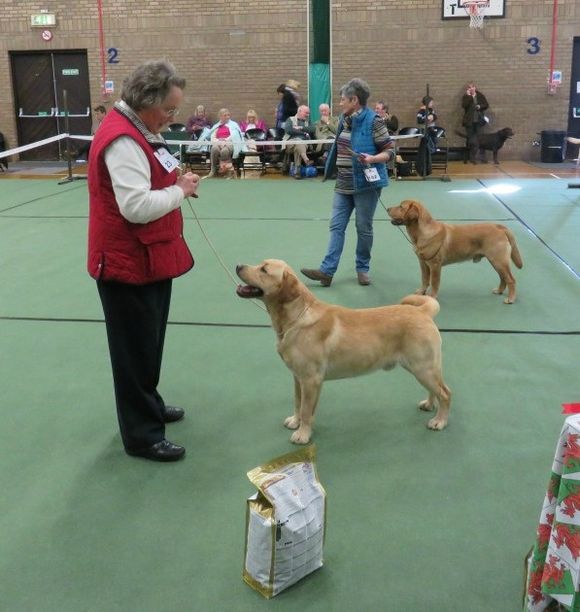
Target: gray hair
(358, 88)
(150, 84)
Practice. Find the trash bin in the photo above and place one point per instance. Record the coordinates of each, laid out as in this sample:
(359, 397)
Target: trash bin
(553, 146)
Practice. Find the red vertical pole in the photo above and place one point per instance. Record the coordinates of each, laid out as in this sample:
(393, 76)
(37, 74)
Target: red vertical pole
(102, 47)
(553, 49)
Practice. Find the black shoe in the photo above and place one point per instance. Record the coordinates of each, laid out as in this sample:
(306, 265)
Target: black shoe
(162, 451)
(172, 414)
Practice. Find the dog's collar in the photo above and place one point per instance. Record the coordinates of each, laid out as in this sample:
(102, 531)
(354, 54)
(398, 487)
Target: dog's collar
(422, 250)
(282, 334)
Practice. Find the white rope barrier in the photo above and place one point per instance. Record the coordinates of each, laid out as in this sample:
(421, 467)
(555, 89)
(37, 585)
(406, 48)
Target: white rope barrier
(183, 143)
(32, 145)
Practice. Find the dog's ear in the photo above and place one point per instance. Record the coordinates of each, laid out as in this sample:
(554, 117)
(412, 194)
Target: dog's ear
(289, 287)
(411, 211)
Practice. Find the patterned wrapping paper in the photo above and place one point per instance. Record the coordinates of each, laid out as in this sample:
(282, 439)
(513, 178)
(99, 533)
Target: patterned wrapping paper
(554, 568)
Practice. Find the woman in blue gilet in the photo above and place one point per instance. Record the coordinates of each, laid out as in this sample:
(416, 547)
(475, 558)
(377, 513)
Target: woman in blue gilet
(358, 157)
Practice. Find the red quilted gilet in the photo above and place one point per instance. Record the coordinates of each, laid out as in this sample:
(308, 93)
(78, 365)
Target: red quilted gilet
(127, 252)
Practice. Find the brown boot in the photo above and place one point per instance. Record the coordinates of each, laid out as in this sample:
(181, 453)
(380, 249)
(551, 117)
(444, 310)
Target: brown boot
(363, 278)
(313, 274)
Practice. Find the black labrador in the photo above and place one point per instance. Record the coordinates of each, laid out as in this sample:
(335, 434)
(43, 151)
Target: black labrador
(487, 142)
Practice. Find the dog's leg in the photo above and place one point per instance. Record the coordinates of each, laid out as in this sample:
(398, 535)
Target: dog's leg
(495, 160)
(310, 392)
(425, 274)
(435, 270)
(432, 380)
(482, 155)
(506, 279)
(293, 422)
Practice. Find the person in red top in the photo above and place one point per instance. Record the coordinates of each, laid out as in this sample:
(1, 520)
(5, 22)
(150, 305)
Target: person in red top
(136, 248)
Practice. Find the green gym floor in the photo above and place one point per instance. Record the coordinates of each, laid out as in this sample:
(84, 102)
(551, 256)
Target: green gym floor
(417, 521)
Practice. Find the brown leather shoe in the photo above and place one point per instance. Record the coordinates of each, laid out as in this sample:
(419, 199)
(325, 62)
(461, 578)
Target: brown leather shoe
(363, 278)
(313, 274)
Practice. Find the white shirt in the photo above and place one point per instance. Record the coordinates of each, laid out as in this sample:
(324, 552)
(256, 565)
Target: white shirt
(131, 177)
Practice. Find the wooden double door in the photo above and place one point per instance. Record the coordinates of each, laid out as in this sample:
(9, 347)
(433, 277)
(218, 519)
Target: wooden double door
(39, 81)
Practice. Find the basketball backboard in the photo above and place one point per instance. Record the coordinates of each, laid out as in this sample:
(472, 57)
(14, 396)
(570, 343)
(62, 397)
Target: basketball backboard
(453, 9)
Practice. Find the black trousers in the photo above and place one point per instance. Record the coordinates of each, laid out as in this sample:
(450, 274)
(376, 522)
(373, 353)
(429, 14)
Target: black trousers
(136, 319)
(470, 147)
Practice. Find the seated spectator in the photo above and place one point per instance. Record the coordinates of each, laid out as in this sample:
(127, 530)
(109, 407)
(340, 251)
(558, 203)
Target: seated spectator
(299, 127)
(227, 142)
(326, 127)
(198, 121)
(391, 121)
(252, 123)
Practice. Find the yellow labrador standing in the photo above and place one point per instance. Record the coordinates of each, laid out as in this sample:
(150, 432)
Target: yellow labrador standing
(320, 341)
(438, 244)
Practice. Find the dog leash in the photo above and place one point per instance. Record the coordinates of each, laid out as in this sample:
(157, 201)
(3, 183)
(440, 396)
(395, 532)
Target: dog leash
(397, 226)
(409, 241)
(217, 255)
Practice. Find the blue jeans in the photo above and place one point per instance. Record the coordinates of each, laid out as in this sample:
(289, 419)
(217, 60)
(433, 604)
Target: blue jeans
(364, 204)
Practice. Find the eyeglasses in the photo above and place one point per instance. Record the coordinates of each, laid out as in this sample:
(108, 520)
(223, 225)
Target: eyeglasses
(171, 112)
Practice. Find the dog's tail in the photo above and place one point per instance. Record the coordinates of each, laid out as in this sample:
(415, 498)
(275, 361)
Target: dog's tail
(516, 256)
(425, 303)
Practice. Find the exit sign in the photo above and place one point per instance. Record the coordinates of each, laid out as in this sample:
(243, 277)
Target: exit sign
(42, 20)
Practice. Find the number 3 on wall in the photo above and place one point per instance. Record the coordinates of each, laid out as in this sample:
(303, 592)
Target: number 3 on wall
(114, 55)
(534, 45)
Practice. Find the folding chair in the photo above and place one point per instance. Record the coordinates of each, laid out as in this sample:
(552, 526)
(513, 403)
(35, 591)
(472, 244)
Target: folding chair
(254, 160)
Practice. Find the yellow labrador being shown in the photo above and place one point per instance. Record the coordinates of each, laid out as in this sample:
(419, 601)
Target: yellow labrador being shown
(320, 341)
(438, 244)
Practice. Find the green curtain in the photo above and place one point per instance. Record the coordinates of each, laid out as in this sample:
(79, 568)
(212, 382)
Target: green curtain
(319, 87)
(319, 69)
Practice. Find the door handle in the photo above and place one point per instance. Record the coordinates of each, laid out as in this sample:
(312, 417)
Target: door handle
(64, 113)
(39, 115)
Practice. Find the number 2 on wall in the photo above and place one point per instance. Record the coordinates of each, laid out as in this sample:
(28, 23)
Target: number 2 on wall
(114, 55)
(534, 45)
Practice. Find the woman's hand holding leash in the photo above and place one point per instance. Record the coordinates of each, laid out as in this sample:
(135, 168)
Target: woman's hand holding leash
(189, 183)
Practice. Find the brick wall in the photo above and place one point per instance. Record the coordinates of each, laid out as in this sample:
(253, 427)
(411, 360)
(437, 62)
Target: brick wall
(235, 53)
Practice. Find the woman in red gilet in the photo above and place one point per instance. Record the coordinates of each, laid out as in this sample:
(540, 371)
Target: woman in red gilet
(136, 248)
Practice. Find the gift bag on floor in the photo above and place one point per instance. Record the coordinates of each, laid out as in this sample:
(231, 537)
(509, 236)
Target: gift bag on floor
(285, 522)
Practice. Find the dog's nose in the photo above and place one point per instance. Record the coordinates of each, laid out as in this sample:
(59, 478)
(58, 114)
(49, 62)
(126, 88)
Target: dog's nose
(239, 268)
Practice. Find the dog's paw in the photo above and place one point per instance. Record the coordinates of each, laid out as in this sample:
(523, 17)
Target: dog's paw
(292, 422)
(508, 301)
(301, 436)
(497, 291)
(437, 424)
(425, 405)
(421, 291)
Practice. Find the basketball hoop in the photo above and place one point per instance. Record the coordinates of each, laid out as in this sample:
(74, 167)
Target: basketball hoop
(476, 11)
